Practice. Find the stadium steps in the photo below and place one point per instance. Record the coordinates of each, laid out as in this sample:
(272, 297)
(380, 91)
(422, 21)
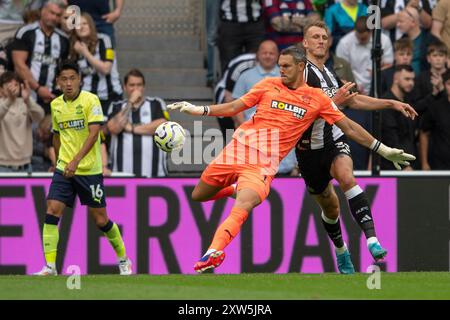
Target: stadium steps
(181, 93)
(171, 60)
(163, 43)
(162, 38)
(173, 77)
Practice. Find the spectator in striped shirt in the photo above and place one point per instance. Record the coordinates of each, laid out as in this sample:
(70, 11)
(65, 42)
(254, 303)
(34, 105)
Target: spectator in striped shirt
(95, 56)
(132, 123)
(37, 50)
(241, 28)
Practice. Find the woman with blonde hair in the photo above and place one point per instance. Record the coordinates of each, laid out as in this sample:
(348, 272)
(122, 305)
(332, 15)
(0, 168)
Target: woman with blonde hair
(96, 58)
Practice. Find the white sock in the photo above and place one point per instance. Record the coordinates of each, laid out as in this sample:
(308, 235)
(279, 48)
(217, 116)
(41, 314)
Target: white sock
(328, 220)
(209, 252)
(353, 192)
(342, 249)
(371, 240)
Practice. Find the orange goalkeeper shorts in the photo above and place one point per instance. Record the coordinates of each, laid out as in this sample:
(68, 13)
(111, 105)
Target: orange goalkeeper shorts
(229, 168)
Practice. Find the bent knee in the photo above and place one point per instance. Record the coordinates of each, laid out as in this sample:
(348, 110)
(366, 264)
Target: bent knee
(329, 203)
(199, 196)
(101, 223)
(55, 210)
(196, 196)
(331, 212)
(346, 181)
(331, 208)
(100, 220)
(248, 203)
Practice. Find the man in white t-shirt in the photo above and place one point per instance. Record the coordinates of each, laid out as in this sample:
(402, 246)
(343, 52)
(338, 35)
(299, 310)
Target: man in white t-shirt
(355, 47)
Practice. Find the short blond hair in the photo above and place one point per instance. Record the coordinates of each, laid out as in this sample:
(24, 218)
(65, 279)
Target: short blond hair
(318, 24)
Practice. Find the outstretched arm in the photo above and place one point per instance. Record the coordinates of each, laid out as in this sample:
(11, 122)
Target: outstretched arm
(218, 110)
(344, 96)
(363, 102)
(358, 134)
(355, 132)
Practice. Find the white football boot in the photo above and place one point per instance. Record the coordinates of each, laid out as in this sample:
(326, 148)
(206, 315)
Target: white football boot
(125, 267)
(46, 271)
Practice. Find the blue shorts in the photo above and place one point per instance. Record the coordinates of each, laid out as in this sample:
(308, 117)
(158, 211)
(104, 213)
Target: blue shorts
(90, 190)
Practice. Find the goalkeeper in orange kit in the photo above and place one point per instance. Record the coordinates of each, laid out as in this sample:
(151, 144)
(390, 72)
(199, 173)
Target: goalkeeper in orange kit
(286, 106)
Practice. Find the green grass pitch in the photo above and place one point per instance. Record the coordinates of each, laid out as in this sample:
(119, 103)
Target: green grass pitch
(408, 285)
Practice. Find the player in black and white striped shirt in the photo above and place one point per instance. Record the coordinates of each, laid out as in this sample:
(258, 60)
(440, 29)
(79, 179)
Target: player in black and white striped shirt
(323, 152)
(132, 123)
(37, 50)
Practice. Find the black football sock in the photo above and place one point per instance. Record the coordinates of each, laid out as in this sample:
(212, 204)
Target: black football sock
(333, 228)
(360, 209)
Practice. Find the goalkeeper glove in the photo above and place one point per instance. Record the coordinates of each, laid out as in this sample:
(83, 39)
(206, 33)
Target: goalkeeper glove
(397, 156)
(189, 108)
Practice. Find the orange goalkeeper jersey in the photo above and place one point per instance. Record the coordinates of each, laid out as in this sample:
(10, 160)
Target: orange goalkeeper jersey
(282, 116)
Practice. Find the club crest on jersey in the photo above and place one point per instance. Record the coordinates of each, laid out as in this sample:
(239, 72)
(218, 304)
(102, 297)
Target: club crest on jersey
(71, 124)
(97, 111)
(43, 58)
(297, 111)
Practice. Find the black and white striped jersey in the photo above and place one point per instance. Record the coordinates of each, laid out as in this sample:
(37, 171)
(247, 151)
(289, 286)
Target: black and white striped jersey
(134, 153)
(104, 86)
(320, 134)
(234, 69)
(44, 53)
(240, 10)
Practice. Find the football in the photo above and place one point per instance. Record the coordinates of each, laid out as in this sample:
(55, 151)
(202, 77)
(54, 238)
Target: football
(169, 136)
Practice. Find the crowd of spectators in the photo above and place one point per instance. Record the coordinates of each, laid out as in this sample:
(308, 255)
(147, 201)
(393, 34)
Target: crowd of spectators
(35, 36)
(416, 56)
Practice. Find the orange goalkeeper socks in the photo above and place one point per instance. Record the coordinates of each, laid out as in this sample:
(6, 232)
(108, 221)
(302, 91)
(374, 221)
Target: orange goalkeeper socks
(225, 192)
(229, 229)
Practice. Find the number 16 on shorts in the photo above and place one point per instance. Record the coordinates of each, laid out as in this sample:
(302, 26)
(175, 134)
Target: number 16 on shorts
(97, 192)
